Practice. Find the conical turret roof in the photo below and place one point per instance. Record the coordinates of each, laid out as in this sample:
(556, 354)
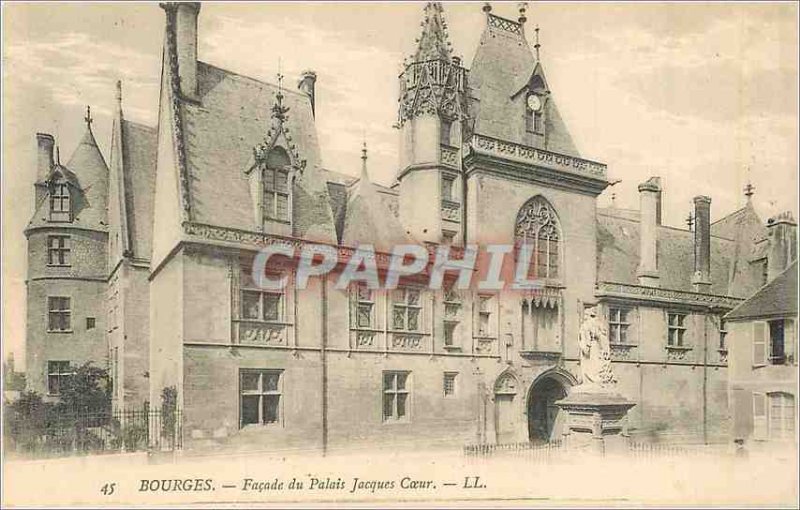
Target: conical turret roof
(433, 44)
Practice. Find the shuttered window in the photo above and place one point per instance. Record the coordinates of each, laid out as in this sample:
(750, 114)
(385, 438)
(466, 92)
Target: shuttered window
(759, 343)
(759, 416)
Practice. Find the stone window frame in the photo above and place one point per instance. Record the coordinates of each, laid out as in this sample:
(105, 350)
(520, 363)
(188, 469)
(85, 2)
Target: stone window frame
(393, 393)
(60, 202)
(54, 311)
(451, 197)
(59, 248)
(408, 308)
(491, 310)
(680, 328)
(362, 297)
(538, 220)
(272, 193)
(619, 323)
(58, 370)
(452, 318)
(275, 395)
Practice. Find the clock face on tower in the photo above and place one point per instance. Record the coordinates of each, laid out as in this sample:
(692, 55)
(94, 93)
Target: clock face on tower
(534, 102)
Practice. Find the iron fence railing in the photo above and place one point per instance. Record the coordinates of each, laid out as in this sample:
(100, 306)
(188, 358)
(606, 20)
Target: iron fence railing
(55, 432)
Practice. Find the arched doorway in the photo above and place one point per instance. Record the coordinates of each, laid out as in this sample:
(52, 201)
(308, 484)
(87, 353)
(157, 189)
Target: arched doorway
(544, 420)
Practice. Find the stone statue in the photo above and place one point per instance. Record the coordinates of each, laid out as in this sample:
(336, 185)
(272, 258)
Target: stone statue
(595, 352)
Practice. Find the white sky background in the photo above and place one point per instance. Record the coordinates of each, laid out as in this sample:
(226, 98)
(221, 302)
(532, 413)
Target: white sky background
(694, 93)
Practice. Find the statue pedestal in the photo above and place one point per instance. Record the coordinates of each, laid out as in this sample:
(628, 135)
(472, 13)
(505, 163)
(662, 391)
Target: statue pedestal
(596, 418)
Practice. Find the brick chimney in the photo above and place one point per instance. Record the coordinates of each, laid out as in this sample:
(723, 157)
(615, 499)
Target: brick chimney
(44, 163)
(701, 280)
(308, 81)
(782, 235)
(44, 155)
(650, 203)
(185, 19)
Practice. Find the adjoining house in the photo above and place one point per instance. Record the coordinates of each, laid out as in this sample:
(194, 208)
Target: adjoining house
(235, 165)
(762, 338)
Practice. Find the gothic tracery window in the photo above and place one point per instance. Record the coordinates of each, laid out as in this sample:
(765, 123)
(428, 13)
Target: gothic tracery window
(537, 229)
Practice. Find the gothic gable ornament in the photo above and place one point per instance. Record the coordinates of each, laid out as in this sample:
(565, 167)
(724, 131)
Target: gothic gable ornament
(278, 135)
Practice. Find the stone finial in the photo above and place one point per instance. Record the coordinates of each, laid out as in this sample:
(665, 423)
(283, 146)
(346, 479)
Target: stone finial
(487, 7)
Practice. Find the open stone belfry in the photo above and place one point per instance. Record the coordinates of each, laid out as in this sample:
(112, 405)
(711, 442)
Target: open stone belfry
(142, 262)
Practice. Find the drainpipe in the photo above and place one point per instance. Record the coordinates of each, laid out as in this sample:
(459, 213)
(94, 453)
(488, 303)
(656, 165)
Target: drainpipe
(705, 377)
(324, 360)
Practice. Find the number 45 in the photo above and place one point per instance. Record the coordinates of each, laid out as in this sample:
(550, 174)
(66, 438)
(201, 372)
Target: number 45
(108, 489)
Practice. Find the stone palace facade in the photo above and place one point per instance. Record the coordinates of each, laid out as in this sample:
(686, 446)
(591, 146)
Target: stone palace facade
(140, 262)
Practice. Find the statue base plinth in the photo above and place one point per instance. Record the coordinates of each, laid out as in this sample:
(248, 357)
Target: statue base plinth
(596, 418)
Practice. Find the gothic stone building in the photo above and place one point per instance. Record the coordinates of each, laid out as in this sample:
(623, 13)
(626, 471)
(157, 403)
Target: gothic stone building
(164, 269)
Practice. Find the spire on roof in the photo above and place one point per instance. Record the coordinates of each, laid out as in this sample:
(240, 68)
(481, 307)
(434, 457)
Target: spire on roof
(58, 156)
(364, 173)
(88, 117)
(690, 221)
(119, 94)
(749, 190)
(536, 45)
(433, 44)
(278, 110)
(523, 7)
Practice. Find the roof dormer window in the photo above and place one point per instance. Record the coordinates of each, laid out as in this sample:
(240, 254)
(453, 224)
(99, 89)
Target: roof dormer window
(276, 187)
(60, 203)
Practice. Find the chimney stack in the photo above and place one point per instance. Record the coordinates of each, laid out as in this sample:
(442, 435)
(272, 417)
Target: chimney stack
(702, 244)
(307, 84)
(185, 18)
(650, 201)
(782, 235)
(44, 155)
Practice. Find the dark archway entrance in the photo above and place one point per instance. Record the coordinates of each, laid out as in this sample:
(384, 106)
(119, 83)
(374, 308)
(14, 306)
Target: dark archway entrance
(543, 414)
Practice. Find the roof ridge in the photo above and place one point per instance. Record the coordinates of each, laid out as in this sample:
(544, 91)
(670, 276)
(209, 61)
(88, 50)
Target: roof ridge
(140, 125)
(730, 215)
(670, 227)
(250, 78)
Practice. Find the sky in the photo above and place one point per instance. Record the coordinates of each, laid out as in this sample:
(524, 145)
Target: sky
(703, 95)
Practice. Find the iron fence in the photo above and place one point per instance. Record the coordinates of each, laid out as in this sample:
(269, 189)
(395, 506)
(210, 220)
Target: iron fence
(56, 432)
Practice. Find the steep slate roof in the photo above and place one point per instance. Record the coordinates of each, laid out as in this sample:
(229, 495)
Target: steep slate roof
(502, 66)
(139, 144)
(87, 171)
(368, 218)
(233, 117)
(618, 256)
(778, 298)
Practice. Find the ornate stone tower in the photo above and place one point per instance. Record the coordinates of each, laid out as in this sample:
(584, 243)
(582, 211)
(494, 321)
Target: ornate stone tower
(432, 114)
(67, 260)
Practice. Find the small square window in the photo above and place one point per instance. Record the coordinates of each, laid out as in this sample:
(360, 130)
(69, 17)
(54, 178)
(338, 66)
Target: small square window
(449, 383)
(260, 397)
(90, 323)
(395, 396)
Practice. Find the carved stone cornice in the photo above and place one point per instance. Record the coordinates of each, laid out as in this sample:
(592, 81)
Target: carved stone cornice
(664, 296)
(487, 154)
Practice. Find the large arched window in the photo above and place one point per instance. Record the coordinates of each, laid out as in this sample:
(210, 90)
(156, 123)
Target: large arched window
(537, 227)
(276, 186)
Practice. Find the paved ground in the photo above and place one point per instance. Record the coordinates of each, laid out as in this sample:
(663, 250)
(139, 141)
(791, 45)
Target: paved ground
(421, 477)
